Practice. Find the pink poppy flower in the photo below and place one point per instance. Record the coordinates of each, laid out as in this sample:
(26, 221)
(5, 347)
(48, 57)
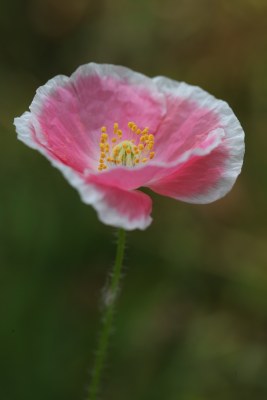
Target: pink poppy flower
(111, 130)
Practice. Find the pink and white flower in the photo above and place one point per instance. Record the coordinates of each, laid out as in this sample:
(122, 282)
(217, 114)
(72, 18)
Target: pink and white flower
(111, 130)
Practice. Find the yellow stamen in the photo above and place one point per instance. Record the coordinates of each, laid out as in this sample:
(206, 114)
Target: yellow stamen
(127, 152)
(104, 136)
(145, 131)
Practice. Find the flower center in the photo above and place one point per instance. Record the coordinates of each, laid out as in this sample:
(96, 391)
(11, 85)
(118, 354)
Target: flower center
(127, 152)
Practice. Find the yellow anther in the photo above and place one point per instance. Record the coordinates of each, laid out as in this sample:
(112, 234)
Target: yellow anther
(127, 152)
(104, 136)
(144, 131)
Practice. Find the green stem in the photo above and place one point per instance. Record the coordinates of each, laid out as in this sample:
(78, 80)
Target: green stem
(108, 315)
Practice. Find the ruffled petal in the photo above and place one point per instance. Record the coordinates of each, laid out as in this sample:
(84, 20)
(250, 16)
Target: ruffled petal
(68, 113)
(123, 209)
(191, 115)
(132, 178)
(199, 143)
(209, 177)
(109, 93)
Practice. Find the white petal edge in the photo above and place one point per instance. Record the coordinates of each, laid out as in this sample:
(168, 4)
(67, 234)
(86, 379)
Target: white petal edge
(160, 86)
(89, 193)
(234, 134)
(101, 70)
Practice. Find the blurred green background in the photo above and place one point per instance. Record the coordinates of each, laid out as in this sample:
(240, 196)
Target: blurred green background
(192, 316)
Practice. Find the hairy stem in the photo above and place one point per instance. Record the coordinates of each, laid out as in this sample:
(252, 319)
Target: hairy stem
(108, 316)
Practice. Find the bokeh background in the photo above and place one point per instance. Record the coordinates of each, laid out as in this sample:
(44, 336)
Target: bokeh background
(192, 315)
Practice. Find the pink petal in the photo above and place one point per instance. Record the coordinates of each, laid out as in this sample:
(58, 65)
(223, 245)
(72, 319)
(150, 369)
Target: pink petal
(209, 177)
(199, 142)
(123, 209)
(132, 178)
(199, 180)
(68, 113)
(109, 94)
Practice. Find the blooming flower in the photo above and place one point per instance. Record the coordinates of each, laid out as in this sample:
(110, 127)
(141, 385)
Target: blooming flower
(111, 130)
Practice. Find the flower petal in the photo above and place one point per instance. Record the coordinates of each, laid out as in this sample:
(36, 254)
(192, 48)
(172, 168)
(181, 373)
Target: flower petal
(199, 143)
(68, 113)
(201, 179)
(55, 125)
(132, 178)
(123, 209)
(109, 93)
